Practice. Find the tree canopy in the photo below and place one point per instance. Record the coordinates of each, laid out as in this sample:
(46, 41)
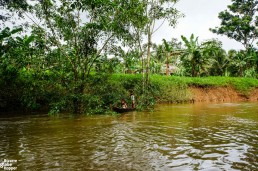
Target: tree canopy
(240, 22)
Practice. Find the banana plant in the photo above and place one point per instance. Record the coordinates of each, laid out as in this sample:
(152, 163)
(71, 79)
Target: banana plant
(219, 60)
(243, 60)
(168, 49)
(192, 55)
(200, 58)
(5, 35)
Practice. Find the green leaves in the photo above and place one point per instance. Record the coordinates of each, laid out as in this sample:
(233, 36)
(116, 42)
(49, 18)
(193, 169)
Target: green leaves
(191, 44)
(240, 22)
(200, 60)
(16, 30)
(81, 33)
(7, 32)
(26, 40)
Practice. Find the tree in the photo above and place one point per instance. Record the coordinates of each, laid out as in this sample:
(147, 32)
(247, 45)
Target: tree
(239, 62)
(158, 58)
(243, 61)
(166, 53)
(81, 31)
(5, 36)
(129, 59)
(154, 11)
(16, 53)
(14, 4)
(213, 49)
(198, 58)
(15, 50)
(192, 56)
(240, 22)
(168, 49)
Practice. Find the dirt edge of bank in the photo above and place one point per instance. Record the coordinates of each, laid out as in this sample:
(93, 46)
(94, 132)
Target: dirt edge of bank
(221, 94)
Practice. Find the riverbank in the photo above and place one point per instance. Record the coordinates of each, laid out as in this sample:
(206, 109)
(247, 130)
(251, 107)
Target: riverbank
(221, 94)
(205, 89)
(102, 91)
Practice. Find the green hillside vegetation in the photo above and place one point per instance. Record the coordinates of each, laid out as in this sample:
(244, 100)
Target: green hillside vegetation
(67, 63)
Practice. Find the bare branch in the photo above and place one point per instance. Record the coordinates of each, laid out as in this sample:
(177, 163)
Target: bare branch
(159, 26)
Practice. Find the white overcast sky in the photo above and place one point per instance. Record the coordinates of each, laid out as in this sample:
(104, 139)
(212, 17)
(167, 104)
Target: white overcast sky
(200, 15)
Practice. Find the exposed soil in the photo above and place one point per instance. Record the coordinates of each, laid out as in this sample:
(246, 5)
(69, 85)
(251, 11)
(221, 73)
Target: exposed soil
(221, 94)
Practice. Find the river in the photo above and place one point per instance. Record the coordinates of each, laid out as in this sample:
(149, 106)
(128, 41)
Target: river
(222, 136)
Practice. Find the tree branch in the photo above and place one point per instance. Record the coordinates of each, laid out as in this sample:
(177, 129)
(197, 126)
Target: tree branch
(56, 40)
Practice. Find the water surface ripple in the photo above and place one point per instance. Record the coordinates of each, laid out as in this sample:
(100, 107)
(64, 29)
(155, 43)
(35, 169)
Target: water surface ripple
(174, 137)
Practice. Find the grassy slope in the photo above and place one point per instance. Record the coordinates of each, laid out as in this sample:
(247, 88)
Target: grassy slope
(176, 89)
(240, 84)
(180, 92)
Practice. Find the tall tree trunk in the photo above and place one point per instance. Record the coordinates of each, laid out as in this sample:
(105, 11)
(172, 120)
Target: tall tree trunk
(78, 90)
(167, 65)
(143, 81)
(75, 94)
(77, 100)
(241, 71)
(148, 56)
(194, 73)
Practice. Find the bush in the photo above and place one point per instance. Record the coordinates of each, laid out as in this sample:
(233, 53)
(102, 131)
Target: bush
(34, 90)
(170, 89)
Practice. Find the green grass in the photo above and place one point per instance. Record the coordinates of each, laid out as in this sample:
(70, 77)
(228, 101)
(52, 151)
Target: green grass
(243, 85)
(239, 83)
(174, 89)
(170, 89)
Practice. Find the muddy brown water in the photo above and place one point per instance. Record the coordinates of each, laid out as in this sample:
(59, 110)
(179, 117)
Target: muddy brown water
(222, 136)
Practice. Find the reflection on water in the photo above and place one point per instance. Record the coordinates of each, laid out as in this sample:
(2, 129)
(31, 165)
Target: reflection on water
(174, 137)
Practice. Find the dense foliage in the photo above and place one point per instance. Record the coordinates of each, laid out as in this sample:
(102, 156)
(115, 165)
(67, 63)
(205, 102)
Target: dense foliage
(85, 56)
(240, 22)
